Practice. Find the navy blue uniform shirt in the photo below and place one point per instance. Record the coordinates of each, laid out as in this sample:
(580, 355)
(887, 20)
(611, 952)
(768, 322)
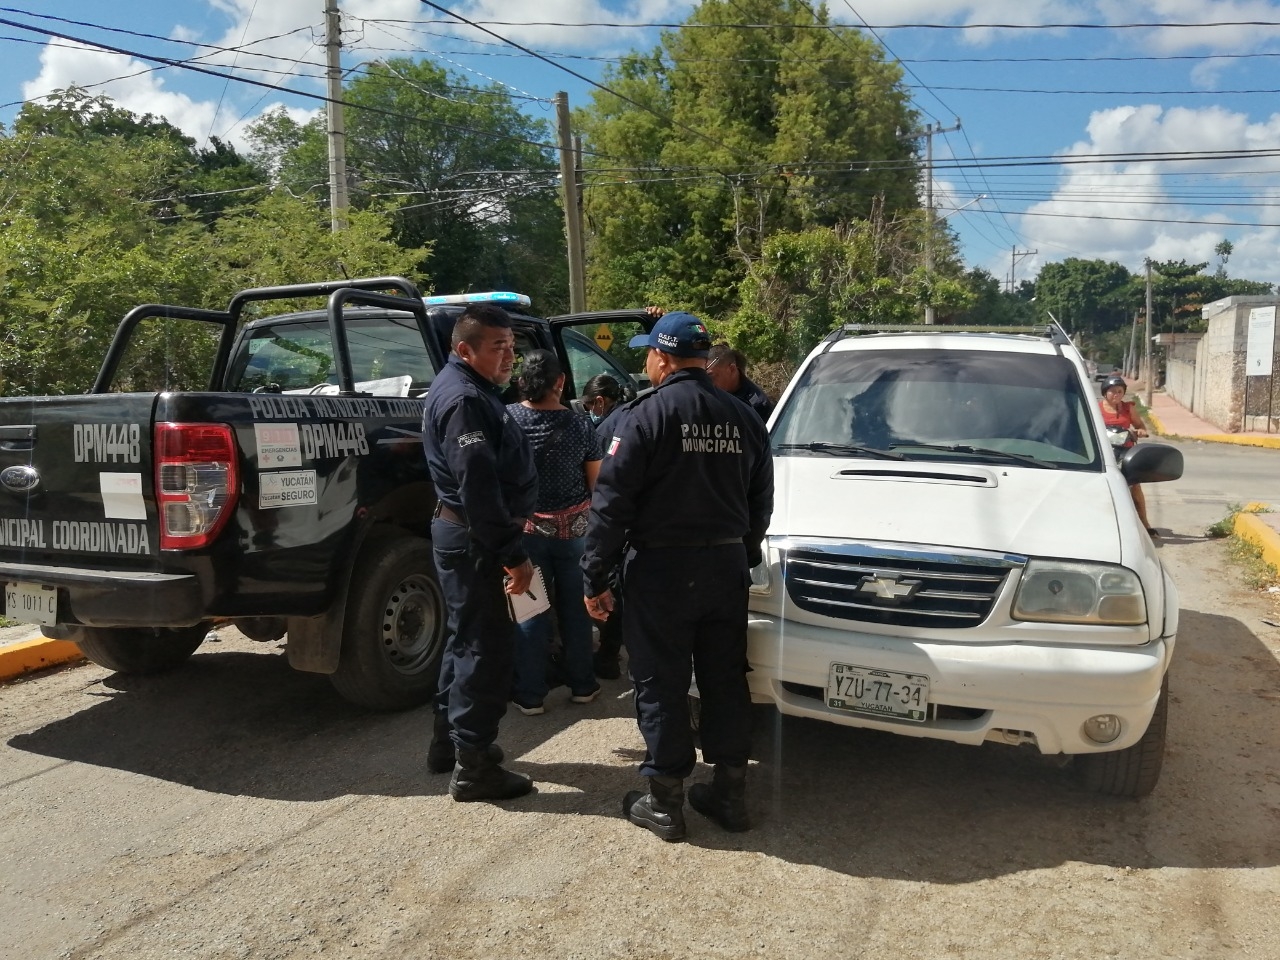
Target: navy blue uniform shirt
(480, 459)
(686, 463)
(755, 398)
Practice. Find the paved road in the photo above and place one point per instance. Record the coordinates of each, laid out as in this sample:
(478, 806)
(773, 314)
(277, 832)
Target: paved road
(1217, 475)
(238, 809)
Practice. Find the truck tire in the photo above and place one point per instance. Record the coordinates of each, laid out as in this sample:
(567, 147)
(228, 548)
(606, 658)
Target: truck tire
(1134, 771)
(138, 650)
(393, 634)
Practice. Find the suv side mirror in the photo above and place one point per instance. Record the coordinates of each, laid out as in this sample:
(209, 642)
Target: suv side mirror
(1151, 463)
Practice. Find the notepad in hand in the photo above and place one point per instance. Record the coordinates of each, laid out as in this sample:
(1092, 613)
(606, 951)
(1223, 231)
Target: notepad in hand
(524, 606)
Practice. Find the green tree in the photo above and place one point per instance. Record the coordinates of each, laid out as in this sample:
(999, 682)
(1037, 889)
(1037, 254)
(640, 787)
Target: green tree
(95, 222)
(1089, 296)
(471, 181)
(993, 305)
(1178, 294)
(806, 284)
(727, 136)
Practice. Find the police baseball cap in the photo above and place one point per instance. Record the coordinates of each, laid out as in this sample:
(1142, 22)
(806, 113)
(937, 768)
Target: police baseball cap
(679, 334)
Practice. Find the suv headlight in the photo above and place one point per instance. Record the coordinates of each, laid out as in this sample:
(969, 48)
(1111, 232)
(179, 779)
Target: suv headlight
(1057, 591)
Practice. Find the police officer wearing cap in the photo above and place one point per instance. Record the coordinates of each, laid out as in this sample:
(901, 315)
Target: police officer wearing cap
(685, 491)
(483, 470)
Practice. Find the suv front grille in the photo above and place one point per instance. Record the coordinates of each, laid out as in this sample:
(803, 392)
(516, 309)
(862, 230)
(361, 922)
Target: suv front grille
(893, 588)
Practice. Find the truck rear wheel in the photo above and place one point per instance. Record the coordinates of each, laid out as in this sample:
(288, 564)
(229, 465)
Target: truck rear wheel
(393, 635)
(137, 649)
(1134, 771)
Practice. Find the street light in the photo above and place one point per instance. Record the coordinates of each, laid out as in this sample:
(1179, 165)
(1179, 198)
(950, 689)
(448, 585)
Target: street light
(980, 197)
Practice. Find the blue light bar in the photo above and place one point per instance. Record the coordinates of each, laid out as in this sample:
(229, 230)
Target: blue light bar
(493, 296)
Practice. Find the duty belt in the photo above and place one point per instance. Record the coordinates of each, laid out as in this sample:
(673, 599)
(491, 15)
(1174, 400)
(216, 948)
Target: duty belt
(664, 544)
(445, 512)
(450, 514)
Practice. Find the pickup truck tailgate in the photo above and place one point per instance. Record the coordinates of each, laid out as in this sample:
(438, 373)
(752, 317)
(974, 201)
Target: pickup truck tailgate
(76, 481)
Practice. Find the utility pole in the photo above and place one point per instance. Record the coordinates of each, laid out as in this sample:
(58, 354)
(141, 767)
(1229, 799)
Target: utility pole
(580, 213)
(572, 221)
(1131, 358)
(1151, 374)
(337, 128)
(1013, 264)
(929, 130)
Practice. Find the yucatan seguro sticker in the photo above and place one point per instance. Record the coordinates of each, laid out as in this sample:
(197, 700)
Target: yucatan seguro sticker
(278, 445)
(286, 488)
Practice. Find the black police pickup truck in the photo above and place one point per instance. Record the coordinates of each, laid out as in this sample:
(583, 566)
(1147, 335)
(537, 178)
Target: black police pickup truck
(290, 497)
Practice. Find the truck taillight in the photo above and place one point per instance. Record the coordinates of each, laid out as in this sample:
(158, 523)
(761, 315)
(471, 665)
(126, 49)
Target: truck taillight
(197, 482)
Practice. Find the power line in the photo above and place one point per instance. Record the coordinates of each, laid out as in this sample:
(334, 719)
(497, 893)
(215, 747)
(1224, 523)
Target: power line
(879, 26)
(187, 65)
(669, 120)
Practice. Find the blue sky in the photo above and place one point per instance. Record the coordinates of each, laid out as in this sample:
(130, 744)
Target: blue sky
(1143, 76)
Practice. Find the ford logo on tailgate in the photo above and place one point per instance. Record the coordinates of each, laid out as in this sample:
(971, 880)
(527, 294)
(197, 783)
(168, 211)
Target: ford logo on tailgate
(19, 479)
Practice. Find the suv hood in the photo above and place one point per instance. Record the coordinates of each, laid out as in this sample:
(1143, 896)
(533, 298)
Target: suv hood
(1006, 509)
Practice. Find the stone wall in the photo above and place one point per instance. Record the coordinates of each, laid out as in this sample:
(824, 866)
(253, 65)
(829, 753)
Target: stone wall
(1217, 385)
(1180, 366)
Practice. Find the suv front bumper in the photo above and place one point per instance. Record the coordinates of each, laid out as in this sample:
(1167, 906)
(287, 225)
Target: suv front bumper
(1006, 692)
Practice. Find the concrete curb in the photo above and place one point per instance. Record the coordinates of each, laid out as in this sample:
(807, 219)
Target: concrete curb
(1246, 441)
(1253, 528)
(35, 654)
(1238, 439)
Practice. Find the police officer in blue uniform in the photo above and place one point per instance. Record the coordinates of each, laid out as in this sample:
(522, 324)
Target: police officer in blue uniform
(686, 491)
(486, 485)
(602, 399)
(728, 370)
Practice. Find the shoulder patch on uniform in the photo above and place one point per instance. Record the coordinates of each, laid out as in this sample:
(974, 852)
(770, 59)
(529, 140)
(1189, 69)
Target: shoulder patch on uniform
(614, 444)
(469, 438)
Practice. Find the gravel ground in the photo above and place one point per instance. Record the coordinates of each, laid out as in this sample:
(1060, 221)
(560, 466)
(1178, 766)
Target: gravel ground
(235, 808)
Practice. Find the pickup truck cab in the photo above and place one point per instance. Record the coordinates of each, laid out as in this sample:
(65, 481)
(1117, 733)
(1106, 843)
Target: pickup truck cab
(954, 553)
(288, 494)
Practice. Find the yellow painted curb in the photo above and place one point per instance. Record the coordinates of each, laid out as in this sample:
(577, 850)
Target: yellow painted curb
(1251, 527)
(19, 658)
(1272, 441)
(1155, 423)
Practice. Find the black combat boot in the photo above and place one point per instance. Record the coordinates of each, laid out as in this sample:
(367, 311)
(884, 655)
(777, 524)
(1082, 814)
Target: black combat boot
(724, 800)
(661, 810)
(441, 755)
(479, 777)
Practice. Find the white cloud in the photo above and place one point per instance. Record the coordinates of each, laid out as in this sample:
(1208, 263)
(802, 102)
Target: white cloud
(1169, 211)
(132, 84)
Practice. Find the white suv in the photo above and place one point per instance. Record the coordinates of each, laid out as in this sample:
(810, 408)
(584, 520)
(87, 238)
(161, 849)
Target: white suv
(955, 554)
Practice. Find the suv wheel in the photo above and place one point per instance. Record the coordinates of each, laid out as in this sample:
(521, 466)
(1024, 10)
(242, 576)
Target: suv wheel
(137, 650)
(1134, 771)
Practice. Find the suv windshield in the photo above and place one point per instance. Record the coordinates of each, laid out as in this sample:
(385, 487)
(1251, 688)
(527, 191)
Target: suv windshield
(967, 405)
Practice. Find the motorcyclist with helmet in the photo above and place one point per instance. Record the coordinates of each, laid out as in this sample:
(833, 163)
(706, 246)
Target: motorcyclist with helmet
(1124, 427)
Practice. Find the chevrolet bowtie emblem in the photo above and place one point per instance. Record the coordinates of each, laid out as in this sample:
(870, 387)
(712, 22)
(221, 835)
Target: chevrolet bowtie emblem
(889, 589)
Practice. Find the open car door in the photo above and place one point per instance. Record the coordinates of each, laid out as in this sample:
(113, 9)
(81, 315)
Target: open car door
(597, 342)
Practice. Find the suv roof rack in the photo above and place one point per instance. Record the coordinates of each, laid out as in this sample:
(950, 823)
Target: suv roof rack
(491, 296)
(1048, 331)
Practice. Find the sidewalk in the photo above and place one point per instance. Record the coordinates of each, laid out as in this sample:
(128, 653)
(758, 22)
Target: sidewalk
(1171, 419)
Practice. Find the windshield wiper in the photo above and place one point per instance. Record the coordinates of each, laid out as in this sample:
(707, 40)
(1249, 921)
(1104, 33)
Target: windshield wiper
(982, 452)
(821, 446)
